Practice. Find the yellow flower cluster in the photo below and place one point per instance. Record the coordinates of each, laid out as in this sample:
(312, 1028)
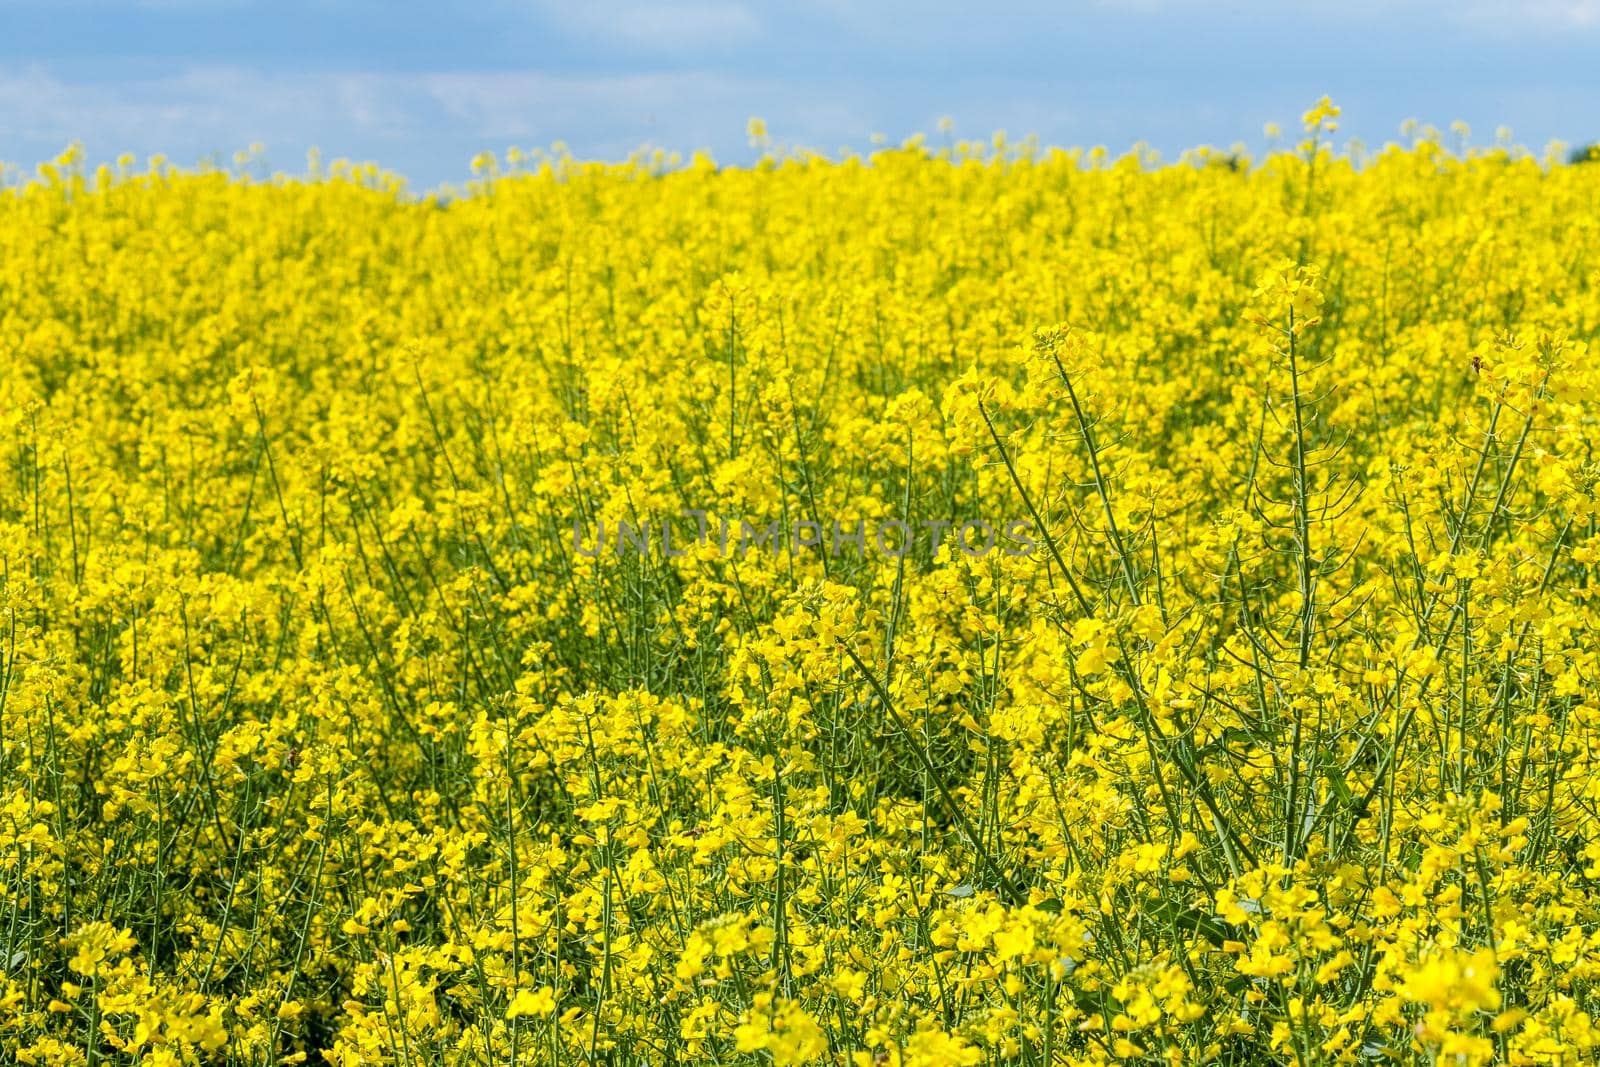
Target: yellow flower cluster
(322, 741)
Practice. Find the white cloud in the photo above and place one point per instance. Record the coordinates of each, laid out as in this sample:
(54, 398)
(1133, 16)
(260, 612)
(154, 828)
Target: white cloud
(530, 105)
(430, 123)
(1487, 15)
(226, 106)
(1550, 14)
(689, 26)
(137, 5)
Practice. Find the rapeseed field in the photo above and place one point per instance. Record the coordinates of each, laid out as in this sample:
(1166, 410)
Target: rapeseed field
(975, 604)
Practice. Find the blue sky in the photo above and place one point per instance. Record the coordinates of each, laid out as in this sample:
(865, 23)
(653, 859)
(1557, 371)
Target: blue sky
(422, 87)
